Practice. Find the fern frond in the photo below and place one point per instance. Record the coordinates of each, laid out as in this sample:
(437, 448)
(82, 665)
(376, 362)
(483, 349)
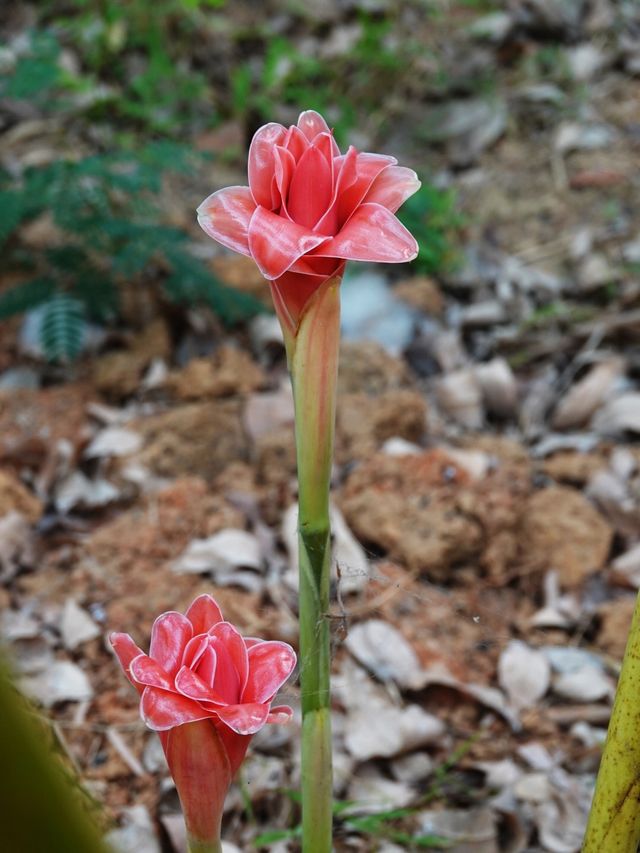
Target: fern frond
(63, 328)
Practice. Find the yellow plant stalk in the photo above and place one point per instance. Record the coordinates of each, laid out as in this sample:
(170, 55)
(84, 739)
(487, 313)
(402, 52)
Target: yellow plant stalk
(614, 820)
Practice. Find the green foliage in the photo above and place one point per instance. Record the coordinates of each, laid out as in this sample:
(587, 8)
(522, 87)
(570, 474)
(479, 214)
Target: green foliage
(35, 73)
(107, 210)
(385, 824)
(141, 51)
(433, 219)
(287, 76)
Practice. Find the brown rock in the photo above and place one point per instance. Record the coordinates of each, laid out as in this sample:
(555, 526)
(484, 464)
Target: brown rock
(615, 621)
(584, 397)
(135, 548)
(422, 293)
(410, 507)
(32, 422)
(168, 520)
(231, 371)
(15, 497)
(366, 366)
(572, 467)
(565, 531)
(118, 374)
(363, 422)
(200, 439)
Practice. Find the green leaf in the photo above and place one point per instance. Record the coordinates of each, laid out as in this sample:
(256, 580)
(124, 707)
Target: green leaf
(63, 328)
(11, 212)
(25, 296)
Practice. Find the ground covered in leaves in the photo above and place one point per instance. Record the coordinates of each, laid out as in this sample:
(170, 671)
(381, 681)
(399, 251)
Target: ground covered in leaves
(486, 491)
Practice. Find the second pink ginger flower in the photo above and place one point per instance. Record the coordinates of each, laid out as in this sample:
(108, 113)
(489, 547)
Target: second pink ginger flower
(206, 690)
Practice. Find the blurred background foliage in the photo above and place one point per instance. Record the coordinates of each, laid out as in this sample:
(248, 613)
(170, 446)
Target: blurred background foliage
(126, 93)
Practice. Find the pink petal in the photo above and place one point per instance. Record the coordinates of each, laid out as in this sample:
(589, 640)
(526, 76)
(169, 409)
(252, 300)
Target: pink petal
(126, 651)
(325, 143)
(372, 234)
(261, 164)
(191, 685)
(285, 166)
(194, 650)
(169, 636)
(280, 715)
(368, 167)
(393, 186)
(162, 710)
(311, 188)
(203, 613)
(270, 664)
(148, 672)
(207, 665)
(233, 661)
(295, 142)
(245, 719)
(345, 169)
(225, 216)
(311, 124)
(276, 243)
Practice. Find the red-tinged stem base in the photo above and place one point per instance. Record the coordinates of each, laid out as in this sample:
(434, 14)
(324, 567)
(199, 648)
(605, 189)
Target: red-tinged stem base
(200, 768)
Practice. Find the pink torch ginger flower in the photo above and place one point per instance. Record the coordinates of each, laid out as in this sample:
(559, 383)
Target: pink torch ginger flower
(308, 209)
(206, 690)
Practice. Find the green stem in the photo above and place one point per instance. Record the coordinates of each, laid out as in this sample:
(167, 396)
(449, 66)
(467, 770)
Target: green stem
(204, 846)
(312, 349)
(614, 820)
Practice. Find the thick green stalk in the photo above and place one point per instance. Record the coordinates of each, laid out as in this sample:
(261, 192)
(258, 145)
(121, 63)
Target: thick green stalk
(614, 820)
(312, 349)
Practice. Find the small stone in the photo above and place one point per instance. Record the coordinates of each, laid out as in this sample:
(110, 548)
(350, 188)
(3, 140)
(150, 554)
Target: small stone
(412, 768)
(137, 835)
(587, 684)
(114, 441)
(595, 271)
(383, 650)
(587, 395)
(62, 681)
(421, 293)
(459, 395)
(76, 626)
(524, 673)
(228, 549)
(498, 386)
(533, 788)
(372, 793)
(382, 730)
